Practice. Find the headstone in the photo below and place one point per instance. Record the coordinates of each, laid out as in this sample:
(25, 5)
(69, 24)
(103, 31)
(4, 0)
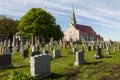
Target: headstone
(93, 47)
(25, 53)
(3, 50)
(46, 52)
(114, 49)
(48, 48)
(40, 65)
(35, 53)
(33, 48)
(98, 53)
(7, 50)
(88, 48)
(21, 49)
(74, 50)
(107, 50)
(56, 53)
(60, 43)
(79, 58)
(14, 49)
(5, 43)
(5, 61)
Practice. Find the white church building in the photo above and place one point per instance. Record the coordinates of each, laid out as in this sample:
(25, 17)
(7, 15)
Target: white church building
(78, 32)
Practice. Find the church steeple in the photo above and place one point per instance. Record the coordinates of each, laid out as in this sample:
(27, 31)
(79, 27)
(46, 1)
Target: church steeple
(73, 19)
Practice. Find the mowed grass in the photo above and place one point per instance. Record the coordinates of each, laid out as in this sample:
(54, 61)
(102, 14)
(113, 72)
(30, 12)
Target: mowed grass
(106, 68)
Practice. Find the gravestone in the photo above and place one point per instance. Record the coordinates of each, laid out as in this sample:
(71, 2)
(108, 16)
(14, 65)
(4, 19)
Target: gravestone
(98, 53)
(93, 47)
(21, 49)
(25, 53)
(107, 50)
(5, 61)
(79, 58)
(14, 49)
(74, 50)
(35, 53)
(33, 48)
(46, 52)
(7, 51)
(48, 48)
(5, 43)
(88, 48)
(114, 49)
(56, 53)
(40, 65)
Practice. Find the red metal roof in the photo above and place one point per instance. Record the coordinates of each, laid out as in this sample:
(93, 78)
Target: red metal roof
(85, 29)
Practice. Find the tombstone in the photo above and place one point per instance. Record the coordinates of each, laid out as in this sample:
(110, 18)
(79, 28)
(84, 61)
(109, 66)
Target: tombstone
(74, 50)
(118, 47)
(114, 49)
(5, 61)
(40, 65)
(7, 51)
(88, 48)
(14, 49)
(35, 53)
(33, 48)
(21, 49)
(46, 52)
(79, 58)
(93, 47)
(56, 53)
(64, 44)
(27, 45)
(98, 53)
(60, 43)
(25, 53)
(107, 50)
(5, 43)
(3, 50)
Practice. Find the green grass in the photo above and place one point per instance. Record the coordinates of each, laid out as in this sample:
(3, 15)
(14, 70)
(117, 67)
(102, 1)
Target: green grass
(106, 68)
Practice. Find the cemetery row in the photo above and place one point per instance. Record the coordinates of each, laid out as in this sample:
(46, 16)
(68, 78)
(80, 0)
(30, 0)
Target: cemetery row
(40, 58)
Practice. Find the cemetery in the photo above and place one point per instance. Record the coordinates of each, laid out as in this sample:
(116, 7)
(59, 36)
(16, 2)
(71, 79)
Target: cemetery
(61, 63)
(39, 51)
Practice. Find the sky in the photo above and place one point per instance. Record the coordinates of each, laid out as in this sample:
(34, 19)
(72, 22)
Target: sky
(102, 15)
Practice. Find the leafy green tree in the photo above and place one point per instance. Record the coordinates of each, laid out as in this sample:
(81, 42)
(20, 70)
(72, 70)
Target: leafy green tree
(8, 27)
(38, 22)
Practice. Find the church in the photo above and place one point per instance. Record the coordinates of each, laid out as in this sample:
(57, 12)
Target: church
(78, 32)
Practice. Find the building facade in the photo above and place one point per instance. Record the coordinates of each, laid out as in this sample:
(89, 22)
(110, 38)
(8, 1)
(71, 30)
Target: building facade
(78, 32)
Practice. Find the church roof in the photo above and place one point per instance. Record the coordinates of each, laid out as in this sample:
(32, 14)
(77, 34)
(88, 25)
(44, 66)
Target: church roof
(85, 29)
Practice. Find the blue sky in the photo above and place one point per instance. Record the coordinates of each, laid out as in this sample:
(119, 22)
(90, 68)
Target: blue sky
(102, 15)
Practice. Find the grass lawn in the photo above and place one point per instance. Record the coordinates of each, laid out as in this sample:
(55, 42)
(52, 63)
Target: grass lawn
(107, 68)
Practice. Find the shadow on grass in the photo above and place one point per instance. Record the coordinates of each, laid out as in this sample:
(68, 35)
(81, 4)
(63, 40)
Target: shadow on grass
(22, 66)
(53, 76)
(107, 56)
(94, 63)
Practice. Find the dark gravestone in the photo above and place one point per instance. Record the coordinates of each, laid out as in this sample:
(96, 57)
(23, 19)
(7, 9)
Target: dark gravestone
(88, 48)
(5, 61)
(98, 53)
(35, 53)
(74, 50)
(25, 53)
(79, 58)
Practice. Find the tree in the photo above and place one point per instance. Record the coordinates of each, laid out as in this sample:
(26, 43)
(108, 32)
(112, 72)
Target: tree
(8, 27)
(38, 22)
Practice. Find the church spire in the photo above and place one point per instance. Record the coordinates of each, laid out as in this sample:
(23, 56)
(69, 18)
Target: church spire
(73, 19)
